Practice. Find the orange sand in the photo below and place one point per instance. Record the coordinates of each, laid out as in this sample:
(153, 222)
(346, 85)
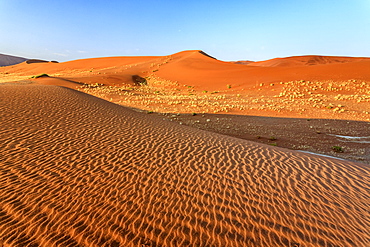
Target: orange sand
(197, 69)
(303, 86)
(76, 170)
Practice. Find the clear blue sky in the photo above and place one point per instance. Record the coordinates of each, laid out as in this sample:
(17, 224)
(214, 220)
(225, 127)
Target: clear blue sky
(226, 29)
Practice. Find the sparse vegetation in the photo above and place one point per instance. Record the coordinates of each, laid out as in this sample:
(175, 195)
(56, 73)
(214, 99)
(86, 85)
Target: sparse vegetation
(139, 81)
(40, 75)
(272, 138)
(337, 149)
(95, 85)
(308, 97)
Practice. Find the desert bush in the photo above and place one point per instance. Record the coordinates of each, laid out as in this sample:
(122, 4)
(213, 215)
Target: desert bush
(337, 149)
(40, 75)
(139, 81)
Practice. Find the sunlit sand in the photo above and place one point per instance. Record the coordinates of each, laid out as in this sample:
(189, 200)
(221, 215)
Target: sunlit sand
(83, 164)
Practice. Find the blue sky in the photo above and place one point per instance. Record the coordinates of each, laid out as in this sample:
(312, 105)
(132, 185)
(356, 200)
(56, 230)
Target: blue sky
(226, 29)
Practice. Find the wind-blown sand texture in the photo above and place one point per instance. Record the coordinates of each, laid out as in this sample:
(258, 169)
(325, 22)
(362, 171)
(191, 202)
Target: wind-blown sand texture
(76, 170)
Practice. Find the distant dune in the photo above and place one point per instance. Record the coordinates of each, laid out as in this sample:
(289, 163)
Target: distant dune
(314, 84)
(245, 62)
(6, 60)
(76, 170)
(192, 68)
(306, 61)
(202, 71)
(29, 61)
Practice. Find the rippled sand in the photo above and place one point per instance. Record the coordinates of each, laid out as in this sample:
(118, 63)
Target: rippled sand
(76, 170)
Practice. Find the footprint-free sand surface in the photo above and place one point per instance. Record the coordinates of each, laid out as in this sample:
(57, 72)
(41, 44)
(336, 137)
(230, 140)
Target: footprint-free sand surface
(76, 170)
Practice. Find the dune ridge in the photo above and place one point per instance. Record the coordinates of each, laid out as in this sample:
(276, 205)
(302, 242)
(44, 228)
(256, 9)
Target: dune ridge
(6, 60)
(308, 60)
(200, 70)
(76, 170)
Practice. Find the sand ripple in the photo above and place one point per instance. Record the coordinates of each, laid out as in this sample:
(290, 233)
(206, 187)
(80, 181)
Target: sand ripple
(76, 170)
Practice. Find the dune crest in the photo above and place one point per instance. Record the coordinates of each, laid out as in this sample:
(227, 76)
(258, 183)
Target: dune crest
(76, 170)
(288, 87)
(30, 61)
(204, 72)
(7, 60)
(306, 61)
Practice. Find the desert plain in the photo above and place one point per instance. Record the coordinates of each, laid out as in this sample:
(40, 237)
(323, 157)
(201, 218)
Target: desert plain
(185, 150)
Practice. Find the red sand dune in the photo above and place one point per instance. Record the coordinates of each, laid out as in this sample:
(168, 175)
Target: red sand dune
(29, 61)
(195, 69)
(306, 61)
(245, 62)
(202, 71)
(76, 170)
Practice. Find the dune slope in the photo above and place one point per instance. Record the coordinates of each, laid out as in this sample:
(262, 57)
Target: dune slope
(76, 170)
(306, 61)
(203, 72)
(6, 60)
(198, 69)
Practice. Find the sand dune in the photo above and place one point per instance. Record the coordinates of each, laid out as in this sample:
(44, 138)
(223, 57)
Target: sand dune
(83, 65)
(245, 62)
(192, 68)
(76, 170)
(306, 61)
(6, 60)
(201, 70)
(30, 61)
